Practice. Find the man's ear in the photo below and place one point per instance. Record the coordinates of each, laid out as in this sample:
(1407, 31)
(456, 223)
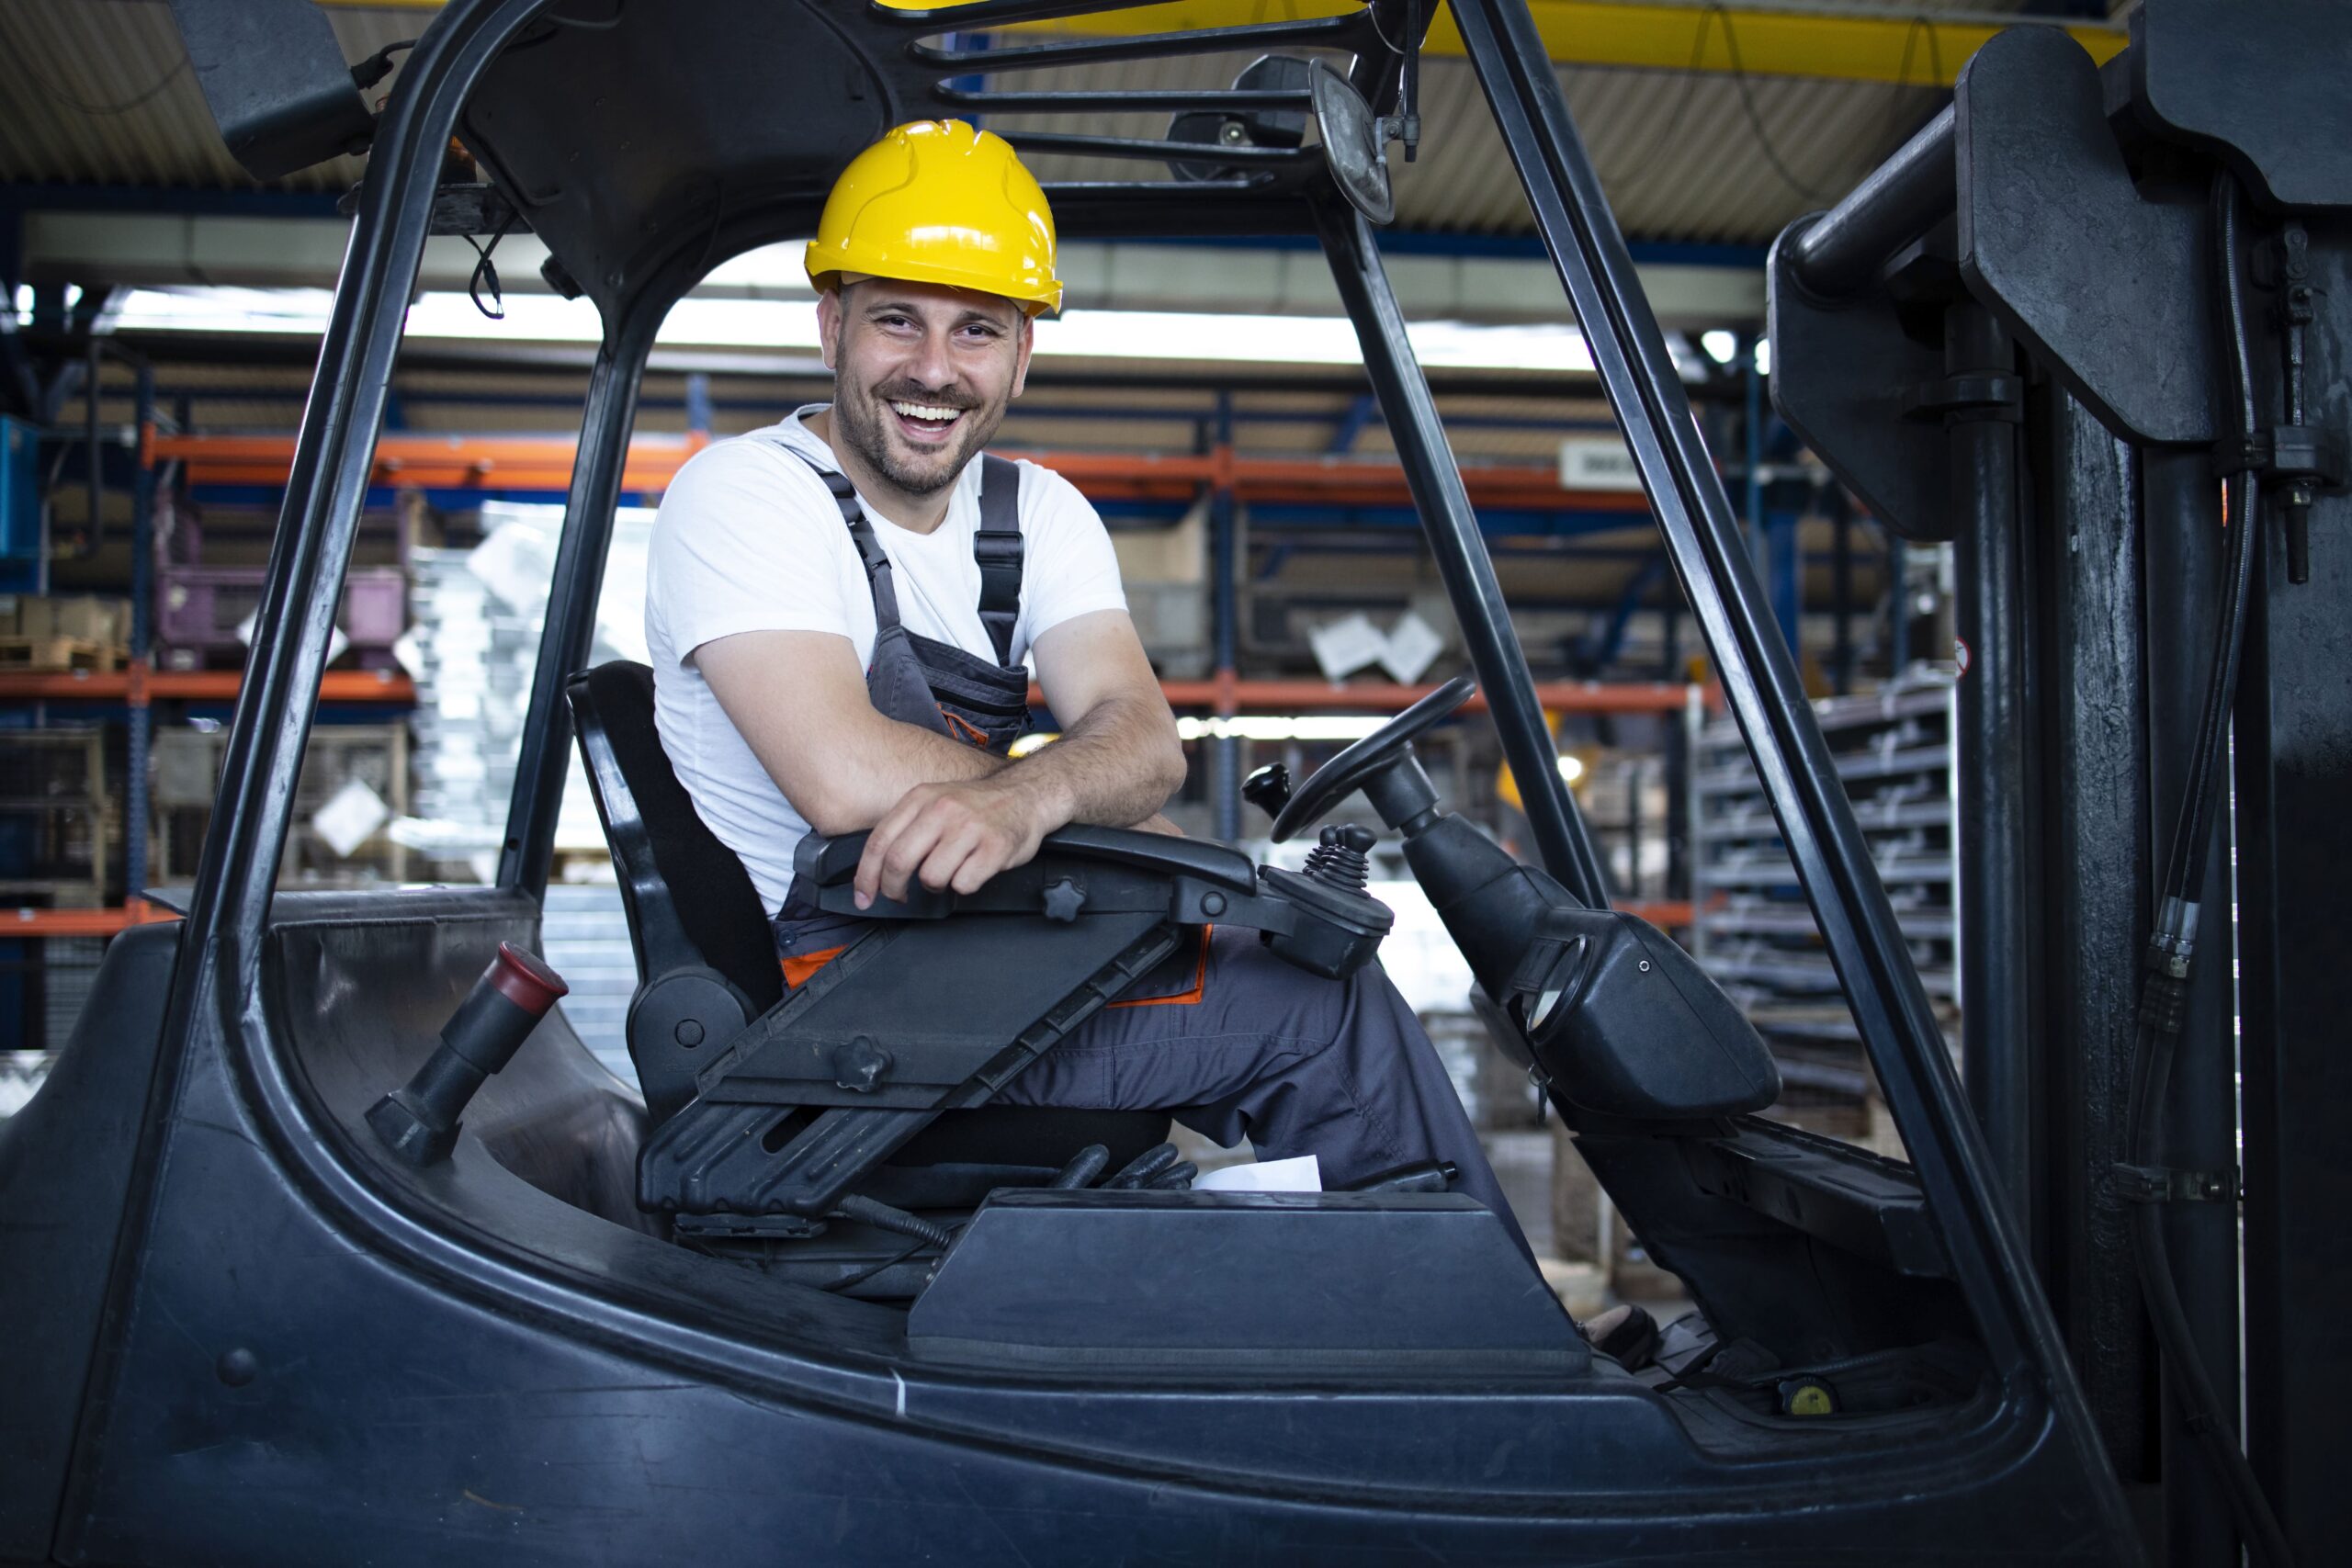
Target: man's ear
(1026, 342)
(828, 326)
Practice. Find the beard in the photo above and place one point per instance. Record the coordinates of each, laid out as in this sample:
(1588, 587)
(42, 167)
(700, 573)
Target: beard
(862, 419)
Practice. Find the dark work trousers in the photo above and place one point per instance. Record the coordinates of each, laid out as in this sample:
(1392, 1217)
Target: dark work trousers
(1298, 1065)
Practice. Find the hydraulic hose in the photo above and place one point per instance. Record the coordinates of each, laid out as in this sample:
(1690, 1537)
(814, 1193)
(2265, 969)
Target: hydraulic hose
(2172, 943)
(865, 1210)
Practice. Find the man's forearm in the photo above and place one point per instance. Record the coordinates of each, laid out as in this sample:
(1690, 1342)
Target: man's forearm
(1116, 766)
(874, 768)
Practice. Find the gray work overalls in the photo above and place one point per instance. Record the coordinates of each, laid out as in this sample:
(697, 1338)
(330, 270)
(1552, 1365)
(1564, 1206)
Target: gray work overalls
(1224, 1036)
(920, 681)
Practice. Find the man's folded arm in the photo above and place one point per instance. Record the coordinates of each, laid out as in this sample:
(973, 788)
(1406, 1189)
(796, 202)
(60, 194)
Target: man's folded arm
(1118, 760)
(798, 699)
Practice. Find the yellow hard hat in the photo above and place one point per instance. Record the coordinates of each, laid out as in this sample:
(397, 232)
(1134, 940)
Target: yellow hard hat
(936, 201)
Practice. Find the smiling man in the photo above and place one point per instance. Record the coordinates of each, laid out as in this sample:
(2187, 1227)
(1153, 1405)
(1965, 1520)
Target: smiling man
(839, 608)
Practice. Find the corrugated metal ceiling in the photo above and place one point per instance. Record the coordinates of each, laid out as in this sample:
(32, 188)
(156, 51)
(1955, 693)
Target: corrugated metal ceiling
(99, 91)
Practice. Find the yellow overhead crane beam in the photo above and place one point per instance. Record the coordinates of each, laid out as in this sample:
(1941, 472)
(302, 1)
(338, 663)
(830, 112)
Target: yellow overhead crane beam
(1917, 49)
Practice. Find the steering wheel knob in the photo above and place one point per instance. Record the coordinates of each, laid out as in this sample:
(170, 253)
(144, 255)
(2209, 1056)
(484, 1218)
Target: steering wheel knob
(1371, 757)
(1268, 788)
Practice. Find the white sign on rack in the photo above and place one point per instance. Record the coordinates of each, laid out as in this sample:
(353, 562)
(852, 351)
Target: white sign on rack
(1597, 462)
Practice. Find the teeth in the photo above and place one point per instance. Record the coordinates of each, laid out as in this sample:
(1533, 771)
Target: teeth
(925, 410)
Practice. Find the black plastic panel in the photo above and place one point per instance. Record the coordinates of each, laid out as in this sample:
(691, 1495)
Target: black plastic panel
(1295, 1282)
(2199, 66)
(65, 1168)
(1843, 373)
(2106, 284)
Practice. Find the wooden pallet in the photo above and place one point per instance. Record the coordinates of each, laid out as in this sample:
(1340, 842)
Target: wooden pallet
(59, 654)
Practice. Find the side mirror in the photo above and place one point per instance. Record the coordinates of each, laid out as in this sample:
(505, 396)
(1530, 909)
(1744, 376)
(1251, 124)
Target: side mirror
(276, 81)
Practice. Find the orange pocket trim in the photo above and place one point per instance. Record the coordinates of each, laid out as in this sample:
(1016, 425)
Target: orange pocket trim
(1181, 999)
(801, 966)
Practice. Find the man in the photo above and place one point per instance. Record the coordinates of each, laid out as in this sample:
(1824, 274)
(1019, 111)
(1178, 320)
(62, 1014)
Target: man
(839, 608)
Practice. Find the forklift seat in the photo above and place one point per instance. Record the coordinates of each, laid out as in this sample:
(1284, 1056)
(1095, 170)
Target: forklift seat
(696, 922)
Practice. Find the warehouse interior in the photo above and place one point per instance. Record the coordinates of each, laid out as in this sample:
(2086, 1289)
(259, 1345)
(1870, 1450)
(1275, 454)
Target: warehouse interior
(143, 250)
(162, 312)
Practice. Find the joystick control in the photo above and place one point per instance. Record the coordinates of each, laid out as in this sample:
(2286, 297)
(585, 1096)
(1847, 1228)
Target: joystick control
(1337, 859)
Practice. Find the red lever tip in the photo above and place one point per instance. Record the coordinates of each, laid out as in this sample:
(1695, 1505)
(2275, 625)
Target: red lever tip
(524, 980)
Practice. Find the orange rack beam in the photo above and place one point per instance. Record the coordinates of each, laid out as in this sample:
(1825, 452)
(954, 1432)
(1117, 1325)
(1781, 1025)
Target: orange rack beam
(544, 463)
(139, 687)
(23, 922)
(429, 462)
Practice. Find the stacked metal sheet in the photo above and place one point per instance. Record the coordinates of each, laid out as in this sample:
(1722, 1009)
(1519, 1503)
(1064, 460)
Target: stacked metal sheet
(472, 647)
(470, 652)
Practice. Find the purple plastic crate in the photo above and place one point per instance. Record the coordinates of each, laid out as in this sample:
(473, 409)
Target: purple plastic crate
(375, 608)
(200, 607)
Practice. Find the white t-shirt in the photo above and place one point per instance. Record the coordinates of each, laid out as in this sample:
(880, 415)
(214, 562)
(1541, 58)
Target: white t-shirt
(750, 539)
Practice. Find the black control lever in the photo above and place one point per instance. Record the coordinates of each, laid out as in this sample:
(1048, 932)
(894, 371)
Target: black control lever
(418, 1121)
(1268, 788)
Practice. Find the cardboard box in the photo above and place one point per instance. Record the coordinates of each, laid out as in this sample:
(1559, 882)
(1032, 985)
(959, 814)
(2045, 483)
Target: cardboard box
(87, 617)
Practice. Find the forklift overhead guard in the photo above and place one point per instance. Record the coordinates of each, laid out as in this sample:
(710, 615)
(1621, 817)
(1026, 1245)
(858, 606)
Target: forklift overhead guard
(248, 1332)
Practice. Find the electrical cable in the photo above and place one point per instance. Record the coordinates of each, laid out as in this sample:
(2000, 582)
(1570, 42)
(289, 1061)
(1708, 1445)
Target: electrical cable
(866, 1210)
(379, 65)
(1673, 118)
(107, 111)
(485, 271)
(863, 1275)
(1755, 116)
(2172, 943)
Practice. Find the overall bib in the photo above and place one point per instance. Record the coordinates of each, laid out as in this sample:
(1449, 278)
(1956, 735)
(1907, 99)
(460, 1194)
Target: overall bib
(922, 681)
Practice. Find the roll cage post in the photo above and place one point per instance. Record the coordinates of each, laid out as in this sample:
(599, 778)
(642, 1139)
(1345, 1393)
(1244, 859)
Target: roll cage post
(216, 981)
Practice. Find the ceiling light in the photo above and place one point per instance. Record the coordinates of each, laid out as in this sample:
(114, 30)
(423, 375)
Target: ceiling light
(762, 323)
(1269, 726)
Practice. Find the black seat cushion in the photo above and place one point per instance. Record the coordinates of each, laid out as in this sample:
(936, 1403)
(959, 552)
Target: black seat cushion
(690, 900)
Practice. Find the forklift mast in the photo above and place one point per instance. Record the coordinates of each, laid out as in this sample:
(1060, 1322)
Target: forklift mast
(2093, 327)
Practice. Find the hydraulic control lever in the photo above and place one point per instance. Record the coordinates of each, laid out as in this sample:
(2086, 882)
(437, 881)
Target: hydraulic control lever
(1268, 789)
(418, 1121)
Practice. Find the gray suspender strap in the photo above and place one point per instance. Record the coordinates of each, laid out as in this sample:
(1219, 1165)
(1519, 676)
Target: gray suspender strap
(861, 534)
(997, 548)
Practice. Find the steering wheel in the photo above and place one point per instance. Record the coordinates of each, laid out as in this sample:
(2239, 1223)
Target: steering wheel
(1384, 746)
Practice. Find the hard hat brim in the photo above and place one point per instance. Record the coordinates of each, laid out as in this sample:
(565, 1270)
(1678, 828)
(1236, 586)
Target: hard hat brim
(1046, 301)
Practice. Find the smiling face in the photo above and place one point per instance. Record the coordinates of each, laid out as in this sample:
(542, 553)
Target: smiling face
(921, 377)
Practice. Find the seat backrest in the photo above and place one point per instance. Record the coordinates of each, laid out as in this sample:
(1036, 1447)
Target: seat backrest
(690, 901)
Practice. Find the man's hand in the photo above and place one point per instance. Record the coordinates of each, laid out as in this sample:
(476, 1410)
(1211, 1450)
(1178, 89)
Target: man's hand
(953, 835)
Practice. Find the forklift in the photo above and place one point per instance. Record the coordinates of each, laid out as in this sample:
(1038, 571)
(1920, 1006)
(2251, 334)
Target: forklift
(327, 1240)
